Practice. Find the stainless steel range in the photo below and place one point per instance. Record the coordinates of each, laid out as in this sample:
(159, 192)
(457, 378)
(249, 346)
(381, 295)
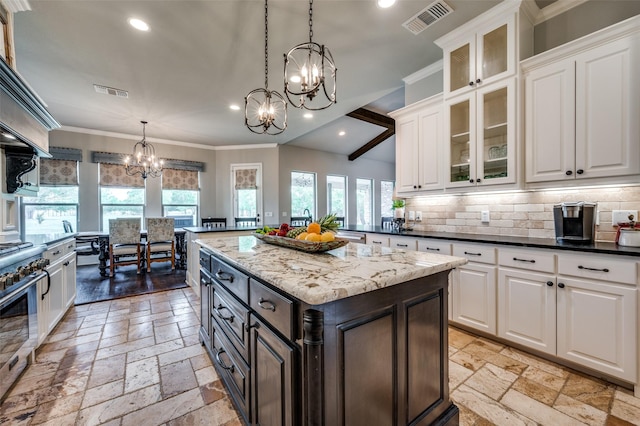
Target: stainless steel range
(21, 267)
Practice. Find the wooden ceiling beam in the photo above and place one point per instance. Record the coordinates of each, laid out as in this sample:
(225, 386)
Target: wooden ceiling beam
(371, 144)
(373, 118)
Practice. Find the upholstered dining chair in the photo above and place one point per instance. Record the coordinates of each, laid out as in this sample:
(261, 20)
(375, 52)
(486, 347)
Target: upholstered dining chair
(67, 226)
(246, 221)
(214, 222)
(161, 246)
(124, 243)
(299, 221)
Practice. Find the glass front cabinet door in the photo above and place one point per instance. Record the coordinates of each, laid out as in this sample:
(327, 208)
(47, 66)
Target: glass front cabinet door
(481, 136)
(485, 57)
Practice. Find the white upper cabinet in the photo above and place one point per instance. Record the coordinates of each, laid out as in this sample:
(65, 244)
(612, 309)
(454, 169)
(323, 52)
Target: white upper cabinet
(419, 137)
(582, 108)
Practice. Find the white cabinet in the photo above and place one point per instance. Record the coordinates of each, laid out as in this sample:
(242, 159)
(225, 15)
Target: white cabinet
(419, 138)
(480, 52)
(480, 134)
(377, 240)
(406, 243)
(474, 288)
(597, 313)
(581, 111)
(527, 298)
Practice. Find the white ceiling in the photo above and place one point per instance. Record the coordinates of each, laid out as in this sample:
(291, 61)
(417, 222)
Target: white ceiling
(201, 56)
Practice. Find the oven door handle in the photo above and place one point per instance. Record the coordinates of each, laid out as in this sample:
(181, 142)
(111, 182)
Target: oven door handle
(19, 289)
(48, 284)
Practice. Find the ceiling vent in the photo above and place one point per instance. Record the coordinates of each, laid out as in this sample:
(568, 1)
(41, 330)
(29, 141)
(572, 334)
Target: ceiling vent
(427, 16)
(111, 91)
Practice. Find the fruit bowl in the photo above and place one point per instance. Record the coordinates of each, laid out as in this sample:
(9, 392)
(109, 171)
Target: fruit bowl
(302, 245)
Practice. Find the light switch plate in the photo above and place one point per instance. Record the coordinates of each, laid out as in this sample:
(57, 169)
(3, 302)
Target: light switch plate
(622, 216)
(268, 214)
(484, 216)
(418, 215)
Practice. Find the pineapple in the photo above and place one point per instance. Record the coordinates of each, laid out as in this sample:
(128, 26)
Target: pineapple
(328, 223)
(296, 231)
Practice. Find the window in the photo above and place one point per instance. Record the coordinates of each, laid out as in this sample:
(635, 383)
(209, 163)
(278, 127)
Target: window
(57, 199)
(180, 190)
(120, 195)
(303, 194)
(386, 198)
(337, 196)
(247, 191)
(364, 201)
(44, 214)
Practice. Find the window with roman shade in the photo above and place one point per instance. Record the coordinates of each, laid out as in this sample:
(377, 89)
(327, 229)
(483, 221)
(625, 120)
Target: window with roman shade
(180, 179)
(246, 178)
(116, 175)
(180, 196)
(62, 168)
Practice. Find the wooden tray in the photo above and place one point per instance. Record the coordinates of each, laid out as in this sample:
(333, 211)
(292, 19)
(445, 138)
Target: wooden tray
(302, 245)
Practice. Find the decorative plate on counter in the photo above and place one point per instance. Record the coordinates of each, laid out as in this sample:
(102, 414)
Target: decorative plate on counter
(302, 245)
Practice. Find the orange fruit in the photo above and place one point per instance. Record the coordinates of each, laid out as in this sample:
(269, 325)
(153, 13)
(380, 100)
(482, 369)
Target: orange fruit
(327, 236)
(314, 227)
(313, 237)
(302, 236)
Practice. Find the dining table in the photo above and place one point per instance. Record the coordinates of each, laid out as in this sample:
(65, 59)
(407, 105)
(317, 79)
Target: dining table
(103, 254)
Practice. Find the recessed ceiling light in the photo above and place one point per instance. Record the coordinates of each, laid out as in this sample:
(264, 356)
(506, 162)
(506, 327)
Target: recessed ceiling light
(8, 135)
(308, 115)
(383, 4)
(234, 107)
(138, 24)
(342, 133)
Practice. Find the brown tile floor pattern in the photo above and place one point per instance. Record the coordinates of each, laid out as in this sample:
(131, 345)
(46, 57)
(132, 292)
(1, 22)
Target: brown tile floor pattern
(138, 361)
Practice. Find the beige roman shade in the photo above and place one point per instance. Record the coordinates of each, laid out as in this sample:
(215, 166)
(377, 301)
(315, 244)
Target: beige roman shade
(115, 175)
(180, 179)
(246, 179)
(58, 172)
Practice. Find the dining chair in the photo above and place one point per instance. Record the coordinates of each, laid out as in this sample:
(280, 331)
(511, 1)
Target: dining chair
(67, 226)
(161, 241)
(214, 222)
(340, 220)
(87, 244)
(386, 222)
(299, 221)
(246, 221)
(124, 243)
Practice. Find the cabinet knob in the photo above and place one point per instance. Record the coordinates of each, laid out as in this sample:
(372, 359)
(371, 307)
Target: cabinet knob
(419, 186)
(579, 171)
(568, 173)
(414, 187)
(478, 81)
(470, 180)
(550, 283)
(471, 83)
(561, 285)
(478, 180)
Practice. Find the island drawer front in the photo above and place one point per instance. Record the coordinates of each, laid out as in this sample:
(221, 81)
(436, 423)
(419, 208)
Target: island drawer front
(205, 260)
(527, 259)
(276, 309)
(434, 246)
(599, 267)
(231, 317)
(232, 369)
(475, 253)
(232, 279)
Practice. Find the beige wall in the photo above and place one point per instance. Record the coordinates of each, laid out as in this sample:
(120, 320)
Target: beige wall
(523, 214)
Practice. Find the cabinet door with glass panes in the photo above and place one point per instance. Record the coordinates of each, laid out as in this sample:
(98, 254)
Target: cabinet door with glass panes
(480, 133)
(481, 59)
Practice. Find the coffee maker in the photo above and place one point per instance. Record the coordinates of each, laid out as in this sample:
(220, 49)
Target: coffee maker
(575, 222)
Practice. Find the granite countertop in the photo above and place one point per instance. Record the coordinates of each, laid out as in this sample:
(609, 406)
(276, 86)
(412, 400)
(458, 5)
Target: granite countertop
(320, 278)
(202, 229)
(544, 243)
(49, 239)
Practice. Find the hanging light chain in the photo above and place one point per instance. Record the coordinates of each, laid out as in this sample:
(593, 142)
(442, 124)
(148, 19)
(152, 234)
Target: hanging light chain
(266, 45)
(310, 21)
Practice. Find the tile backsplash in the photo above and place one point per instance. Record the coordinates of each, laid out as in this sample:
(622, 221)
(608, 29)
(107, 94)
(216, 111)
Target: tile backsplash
(523, 213)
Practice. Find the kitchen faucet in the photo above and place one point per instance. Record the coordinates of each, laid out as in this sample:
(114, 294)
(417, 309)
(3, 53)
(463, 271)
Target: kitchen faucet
(307, 222)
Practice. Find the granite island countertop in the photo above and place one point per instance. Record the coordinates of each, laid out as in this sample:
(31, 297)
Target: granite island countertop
(325, 277)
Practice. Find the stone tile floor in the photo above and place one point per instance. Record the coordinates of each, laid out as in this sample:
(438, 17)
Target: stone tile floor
(138, 361)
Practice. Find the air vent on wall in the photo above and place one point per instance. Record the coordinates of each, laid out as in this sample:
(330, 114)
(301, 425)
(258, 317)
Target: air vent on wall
(427, 16)
(111, 91)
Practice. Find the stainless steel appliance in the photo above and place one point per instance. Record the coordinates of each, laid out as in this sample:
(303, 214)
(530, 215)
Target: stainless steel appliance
(575, 222)
(21, 267)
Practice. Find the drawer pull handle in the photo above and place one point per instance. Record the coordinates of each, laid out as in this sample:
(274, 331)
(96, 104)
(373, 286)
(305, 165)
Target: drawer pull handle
(70, 246)
(267, 305)
(205, 282)
(220, 363)
(550, 283)
(224, 276)
(376, 242)
(248, 327)
(402, 245)
(561, 285)
(524, 260)
(593, 269)
(66, 263)
(218, 309)
(472, 254)
(55, 253)
(432, 249)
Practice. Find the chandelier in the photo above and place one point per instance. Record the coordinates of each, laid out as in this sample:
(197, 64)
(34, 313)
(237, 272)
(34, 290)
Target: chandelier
(143, 161)
(309, 72)
(265, 111)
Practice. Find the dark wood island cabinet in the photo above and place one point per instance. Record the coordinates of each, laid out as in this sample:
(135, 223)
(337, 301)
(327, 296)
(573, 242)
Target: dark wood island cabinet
(354, 336)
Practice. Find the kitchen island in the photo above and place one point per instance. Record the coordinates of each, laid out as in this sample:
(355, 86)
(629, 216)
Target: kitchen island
(353, 336)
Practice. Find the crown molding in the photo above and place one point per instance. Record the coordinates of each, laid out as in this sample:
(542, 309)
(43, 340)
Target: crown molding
(555, 9)
(424, 72)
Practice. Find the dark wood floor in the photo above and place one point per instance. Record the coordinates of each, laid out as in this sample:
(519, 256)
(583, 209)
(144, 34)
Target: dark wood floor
(91, 287)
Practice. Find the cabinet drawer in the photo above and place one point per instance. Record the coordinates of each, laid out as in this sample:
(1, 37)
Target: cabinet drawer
(527, 259)
(273, 307)
(205, 260)
(232, 369)
(475, 252)
(377, 240)
(434, 246)
(603, 268)
(232, 279)
(403, 243)
(59, 250)
(231, 316)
